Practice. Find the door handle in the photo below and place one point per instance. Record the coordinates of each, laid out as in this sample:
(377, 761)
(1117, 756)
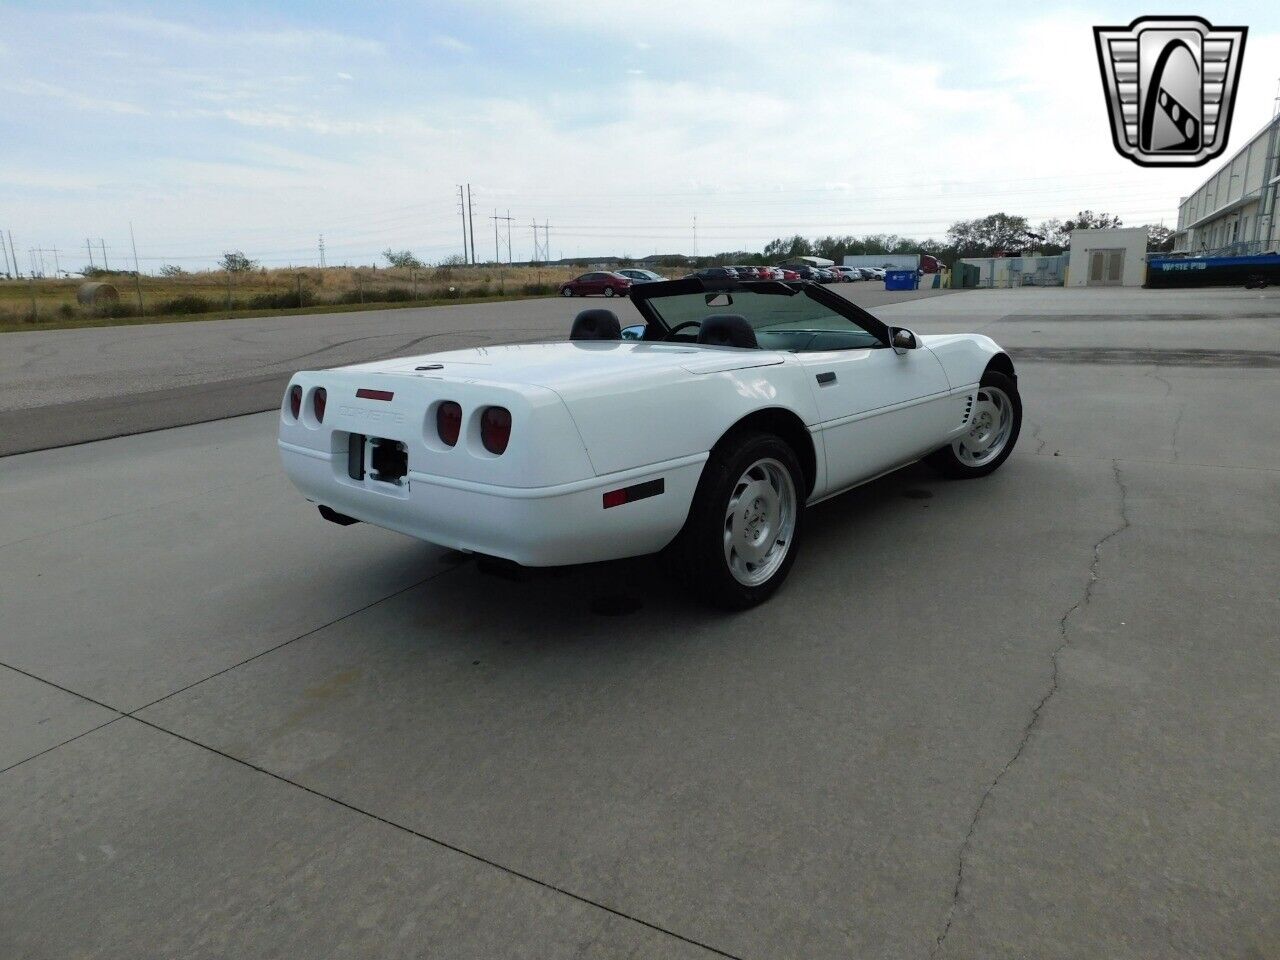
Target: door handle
(826, 378)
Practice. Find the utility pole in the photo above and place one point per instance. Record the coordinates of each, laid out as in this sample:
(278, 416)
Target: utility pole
(103, 244)
(471, 222)
(137, 271)
(494, 218)
(6, 255)
(462, 209)
(88, 246)
(57, 267)
(13, 255)
(322, 251)
(508, 218)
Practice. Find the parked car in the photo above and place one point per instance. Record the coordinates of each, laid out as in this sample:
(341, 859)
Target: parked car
(636, 275)
(871, 273)
(600, 283)
(787, 273)
(848, 274)
(716, 273)
(825, 275)
(516, 454)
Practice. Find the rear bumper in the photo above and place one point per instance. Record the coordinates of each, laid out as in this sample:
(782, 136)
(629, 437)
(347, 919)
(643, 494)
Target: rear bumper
(533, 526)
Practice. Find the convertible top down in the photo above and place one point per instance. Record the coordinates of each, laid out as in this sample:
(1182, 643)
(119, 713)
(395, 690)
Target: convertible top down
(702, 433)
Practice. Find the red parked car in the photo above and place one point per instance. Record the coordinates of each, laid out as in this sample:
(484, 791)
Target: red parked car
(599, 283)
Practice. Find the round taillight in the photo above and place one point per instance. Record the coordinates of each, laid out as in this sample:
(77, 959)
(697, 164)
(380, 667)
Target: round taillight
(295, 401)
(318, 400)
(495, 429)
(449, 423)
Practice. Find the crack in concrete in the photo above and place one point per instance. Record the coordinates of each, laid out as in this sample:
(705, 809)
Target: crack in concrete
(1177, 427)
(1085, 599)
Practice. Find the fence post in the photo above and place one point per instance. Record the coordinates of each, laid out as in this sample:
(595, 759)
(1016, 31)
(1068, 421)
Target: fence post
(413, 272)
(298, 277)
(35, 313)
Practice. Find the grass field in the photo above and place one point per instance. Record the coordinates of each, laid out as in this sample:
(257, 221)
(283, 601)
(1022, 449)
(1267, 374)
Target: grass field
(47, 304)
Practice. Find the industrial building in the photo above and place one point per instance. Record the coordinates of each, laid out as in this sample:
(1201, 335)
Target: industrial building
(1233, 213)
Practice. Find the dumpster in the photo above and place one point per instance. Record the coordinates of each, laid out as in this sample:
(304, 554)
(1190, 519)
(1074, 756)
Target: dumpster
(901, 280)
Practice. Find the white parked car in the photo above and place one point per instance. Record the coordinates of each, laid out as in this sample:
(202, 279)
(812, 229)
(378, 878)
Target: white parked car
(848, 274)
(740, 405)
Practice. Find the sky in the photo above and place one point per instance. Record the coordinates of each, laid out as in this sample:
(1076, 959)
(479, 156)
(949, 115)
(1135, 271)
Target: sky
(631, 128)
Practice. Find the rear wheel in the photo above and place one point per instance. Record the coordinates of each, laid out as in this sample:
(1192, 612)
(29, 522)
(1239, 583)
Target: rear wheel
(994, 423)
(740, 539)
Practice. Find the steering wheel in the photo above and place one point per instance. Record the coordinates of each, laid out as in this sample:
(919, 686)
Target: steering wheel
(680, 326)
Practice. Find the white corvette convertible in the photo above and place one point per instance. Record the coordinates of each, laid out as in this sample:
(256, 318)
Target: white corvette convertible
(703, 433)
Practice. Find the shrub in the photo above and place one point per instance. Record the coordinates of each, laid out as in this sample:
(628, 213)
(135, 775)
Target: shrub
(188, 303)
(274, 301)
(394, 295)
(66, 311)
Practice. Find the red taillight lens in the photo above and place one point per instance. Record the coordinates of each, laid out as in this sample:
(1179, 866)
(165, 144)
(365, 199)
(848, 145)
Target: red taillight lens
(495, 429)
(318, 400)
(449, 423)
(295, 401)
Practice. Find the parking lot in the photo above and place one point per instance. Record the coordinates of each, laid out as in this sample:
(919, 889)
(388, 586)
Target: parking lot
(1034, 715)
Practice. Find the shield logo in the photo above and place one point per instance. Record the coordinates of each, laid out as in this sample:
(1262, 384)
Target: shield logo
(1170, 84)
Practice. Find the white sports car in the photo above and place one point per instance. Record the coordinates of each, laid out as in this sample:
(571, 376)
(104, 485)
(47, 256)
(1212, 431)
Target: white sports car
(703, 433)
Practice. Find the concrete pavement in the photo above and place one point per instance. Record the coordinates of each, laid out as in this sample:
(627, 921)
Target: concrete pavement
(1033, 715)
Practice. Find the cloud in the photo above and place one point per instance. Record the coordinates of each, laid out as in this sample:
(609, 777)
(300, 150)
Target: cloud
(345, 76)
(451, 43)
(38, 88)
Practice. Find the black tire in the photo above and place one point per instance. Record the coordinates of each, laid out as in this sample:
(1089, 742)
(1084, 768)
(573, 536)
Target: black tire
(947, 462)
(608, 291)
(696, 558)
(566, 292)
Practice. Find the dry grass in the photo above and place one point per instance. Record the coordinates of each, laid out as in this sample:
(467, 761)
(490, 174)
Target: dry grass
(214, 294)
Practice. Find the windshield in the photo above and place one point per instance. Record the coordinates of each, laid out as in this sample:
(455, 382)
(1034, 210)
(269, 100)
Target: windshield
(782, 320)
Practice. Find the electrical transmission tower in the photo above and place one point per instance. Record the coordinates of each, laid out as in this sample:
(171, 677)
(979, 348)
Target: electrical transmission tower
(497, 254)
(322, 263)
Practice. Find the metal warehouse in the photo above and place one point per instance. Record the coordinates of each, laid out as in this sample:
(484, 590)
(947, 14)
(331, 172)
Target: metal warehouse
(1232, 214)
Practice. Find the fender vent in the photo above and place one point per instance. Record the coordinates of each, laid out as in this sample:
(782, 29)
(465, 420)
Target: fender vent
(968, 408)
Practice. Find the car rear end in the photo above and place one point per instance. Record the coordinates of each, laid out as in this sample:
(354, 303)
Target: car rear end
(493, 468)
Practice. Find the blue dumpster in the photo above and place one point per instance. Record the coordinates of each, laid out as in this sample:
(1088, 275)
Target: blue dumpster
(901, 280)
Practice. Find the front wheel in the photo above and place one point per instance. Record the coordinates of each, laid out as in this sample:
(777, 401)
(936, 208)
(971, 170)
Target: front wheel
(566, 292)
(994, 423)
(744, 526)
(608, 291)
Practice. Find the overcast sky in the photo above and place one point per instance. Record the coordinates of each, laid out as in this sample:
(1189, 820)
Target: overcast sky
(257, 126)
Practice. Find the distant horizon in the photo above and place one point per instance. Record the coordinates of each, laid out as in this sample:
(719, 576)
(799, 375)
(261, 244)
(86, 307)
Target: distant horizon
(261, 127)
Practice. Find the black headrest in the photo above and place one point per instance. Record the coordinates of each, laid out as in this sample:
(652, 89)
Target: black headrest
(596, 324)
(727, 330)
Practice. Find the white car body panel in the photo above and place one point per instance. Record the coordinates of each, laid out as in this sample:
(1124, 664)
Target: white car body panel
(589, 417)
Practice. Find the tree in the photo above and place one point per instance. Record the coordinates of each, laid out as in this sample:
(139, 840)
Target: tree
(1050, 236)
(402, 258)
(170, 270)
(781, 249)
(1088, 220)
(985, 236)
(237, 262)
(1159, 238)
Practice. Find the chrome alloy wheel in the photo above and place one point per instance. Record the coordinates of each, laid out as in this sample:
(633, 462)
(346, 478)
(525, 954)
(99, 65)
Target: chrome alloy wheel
(759, 522)
(989, 428)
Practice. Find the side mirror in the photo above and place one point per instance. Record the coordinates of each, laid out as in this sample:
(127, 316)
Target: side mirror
(633, 332)
(903, 340)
